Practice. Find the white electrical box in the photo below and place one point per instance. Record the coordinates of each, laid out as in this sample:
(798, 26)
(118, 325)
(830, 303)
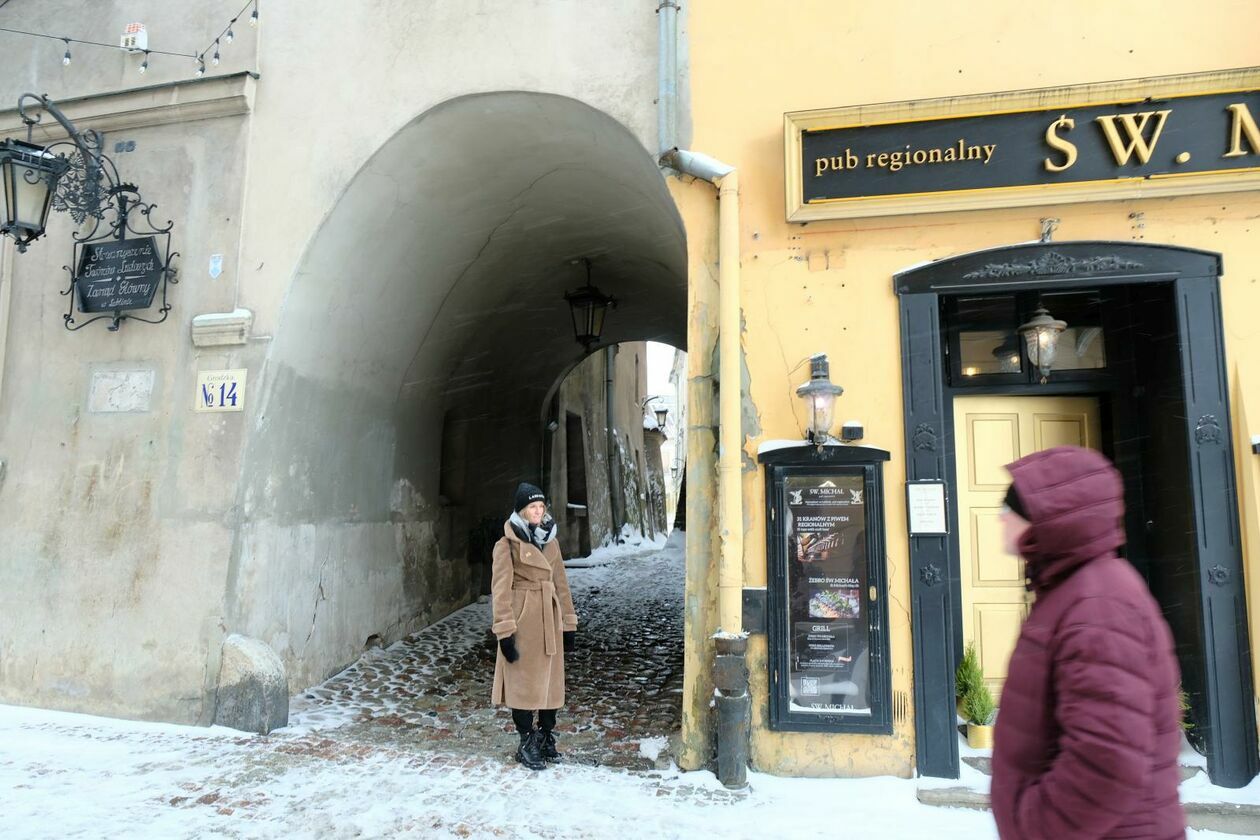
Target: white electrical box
(135, 38)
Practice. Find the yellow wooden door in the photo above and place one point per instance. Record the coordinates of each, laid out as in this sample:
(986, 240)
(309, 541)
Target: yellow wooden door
(991, 432)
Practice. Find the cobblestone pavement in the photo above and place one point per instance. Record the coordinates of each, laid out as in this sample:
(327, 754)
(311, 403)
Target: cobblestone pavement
(432, 689)
(404, 744)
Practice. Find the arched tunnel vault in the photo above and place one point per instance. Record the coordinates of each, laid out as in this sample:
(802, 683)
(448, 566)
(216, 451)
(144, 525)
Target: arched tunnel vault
(430, 301)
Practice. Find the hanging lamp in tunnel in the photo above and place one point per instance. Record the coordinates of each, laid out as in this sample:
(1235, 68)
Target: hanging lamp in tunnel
(587, 307)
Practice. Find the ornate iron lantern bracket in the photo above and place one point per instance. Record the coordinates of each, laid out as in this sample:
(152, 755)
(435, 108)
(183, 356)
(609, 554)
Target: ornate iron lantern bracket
(117, 234)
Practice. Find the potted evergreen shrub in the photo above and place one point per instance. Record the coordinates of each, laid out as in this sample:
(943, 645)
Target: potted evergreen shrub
(967, 675)
(979, 711)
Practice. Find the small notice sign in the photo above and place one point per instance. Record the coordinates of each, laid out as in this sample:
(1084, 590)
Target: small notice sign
(926, 508)
(221, 390)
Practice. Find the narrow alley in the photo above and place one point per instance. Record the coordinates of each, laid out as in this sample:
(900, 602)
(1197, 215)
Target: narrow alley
(432, 690)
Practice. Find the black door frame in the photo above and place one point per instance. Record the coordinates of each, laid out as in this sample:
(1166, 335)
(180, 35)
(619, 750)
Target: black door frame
(1229, 714)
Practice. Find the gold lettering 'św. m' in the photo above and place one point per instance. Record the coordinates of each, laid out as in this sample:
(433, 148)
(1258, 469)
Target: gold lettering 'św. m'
(1060, 144)
(1134, 126)
(1241, 122)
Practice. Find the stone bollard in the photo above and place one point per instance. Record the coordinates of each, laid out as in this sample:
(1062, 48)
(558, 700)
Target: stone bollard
(253, 692)
(734, 709)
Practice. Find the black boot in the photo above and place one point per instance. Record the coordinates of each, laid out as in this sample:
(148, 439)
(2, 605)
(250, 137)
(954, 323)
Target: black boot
(548, 746)
(529, 752)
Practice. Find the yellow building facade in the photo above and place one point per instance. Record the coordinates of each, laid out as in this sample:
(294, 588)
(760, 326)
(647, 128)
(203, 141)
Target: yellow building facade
(819, 278)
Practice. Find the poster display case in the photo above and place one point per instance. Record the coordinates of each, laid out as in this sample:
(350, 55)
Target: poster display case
(827, 590)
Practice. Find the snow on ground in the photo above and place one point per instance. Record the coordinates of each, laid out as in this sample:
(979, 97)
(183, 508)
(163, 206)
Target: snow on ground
(74, 776)
(632, 543)
(403, 744)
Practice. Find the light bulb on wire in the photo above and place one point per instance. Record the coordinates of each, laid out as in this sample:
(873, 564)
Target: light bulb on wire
(201, 66)
(215, 60)
(230, 36)
(65, 59)
(144, 65)
(253, 18)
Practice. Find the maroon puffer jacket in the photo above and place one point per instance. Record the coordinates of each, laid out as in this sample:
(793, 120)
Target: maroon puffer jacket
(1087, 736)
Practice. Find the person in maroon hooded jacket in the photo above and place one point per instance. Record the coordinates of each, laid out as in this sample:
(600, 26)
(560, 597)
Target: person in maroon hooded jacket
(1088, 732)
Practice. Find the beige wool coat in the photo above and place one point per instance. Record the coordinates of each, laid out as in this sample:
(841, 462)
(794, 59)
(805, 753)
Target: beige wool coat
(529, 597)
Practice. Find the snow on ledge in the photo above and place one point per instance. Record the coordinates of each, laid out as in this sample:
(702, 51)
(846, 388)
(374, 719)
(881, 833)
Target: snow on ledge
(776, 445)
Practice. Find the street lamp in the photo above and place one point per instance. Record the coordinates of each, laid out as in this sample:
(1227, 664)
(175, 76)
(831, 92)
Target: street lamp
(30, 174)
(1041, 340)
(107, 279)
(819, 395)
(662, 414)
(587, 307)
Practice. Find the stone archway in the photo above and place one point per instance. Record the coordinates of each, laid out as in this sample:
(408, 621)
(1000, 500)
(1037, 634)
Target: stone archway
(431, 298)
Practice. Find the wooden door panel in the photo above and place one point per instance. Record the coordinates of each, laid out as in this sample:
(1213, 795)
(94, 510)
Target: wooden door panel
(993, 432)
(993, 441)
(997, 629)
(1051, 430)
(991, 566)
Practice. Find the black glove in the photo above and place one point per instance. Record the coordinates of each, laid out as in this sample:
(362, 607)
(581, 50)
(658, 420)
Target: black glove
(508, 646)
(570, 640)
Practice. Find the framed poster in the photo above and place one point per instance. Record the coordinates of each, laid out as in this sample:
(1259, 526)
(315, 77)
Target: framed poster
(827, 590)
(927, 511)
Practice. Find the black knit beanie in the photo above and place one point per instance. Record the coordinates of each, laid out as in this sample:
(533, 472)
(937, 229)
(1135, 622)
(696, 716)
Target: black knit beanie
(527, 493)
(1013, 502)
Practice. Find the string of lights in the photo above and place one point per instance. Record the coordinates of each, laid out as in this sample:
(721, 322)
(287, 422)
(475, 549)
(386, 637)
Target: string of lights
(225, 37)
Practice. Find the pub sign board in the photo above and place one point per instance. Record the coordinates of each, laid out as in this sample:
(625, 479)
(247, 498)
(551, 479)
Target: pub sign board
(118, 274)
(1158, 137)
(827, 590)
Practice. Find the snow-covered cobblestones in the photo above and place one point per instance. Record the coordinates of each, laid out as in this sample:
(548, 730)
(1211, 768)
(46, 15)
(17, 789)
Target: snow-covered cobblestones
(404, 744)
(432, 689)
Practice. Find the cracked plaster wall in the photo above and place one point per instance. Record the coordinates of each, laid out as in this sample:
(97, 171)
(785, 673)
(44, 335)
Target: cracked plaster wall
(388, 288)
(118, 504)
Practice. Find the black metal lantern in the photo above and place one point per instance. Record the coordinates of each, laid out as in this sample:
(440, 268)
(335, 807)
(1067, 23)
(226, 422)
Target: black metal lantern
(819, 395)
(30, 174)
(587, 307)
(662, 414)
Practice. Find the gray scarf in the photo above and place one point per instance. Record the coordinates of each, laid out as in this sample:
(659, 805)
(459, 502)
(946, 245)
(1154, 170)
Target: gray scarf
(540, 534)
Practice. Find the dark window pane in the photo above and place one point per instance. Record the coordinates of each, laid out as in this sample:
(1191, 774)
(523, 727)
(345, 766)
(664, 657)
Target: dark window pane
(1081, 345)
(987, 338)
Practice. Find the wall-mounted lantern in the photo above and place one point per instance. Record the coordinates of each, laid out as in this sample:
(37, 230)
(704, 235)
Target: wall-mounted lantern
(819, 395)
(588, 307)
(662, 414)
(121, 257)
(1041, 340)
(30, 174)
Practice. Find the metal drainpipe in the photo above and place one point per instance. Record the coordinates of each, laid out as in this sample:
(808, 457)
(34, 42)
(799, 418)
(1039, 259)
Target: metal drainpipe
(730, 667)
(615, 502)
(7, 252)
(667, 75)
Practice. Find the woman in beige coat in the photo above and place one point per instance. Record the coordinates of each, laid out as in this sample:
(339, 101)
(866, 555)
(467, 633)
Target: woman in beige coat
(534, 622)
